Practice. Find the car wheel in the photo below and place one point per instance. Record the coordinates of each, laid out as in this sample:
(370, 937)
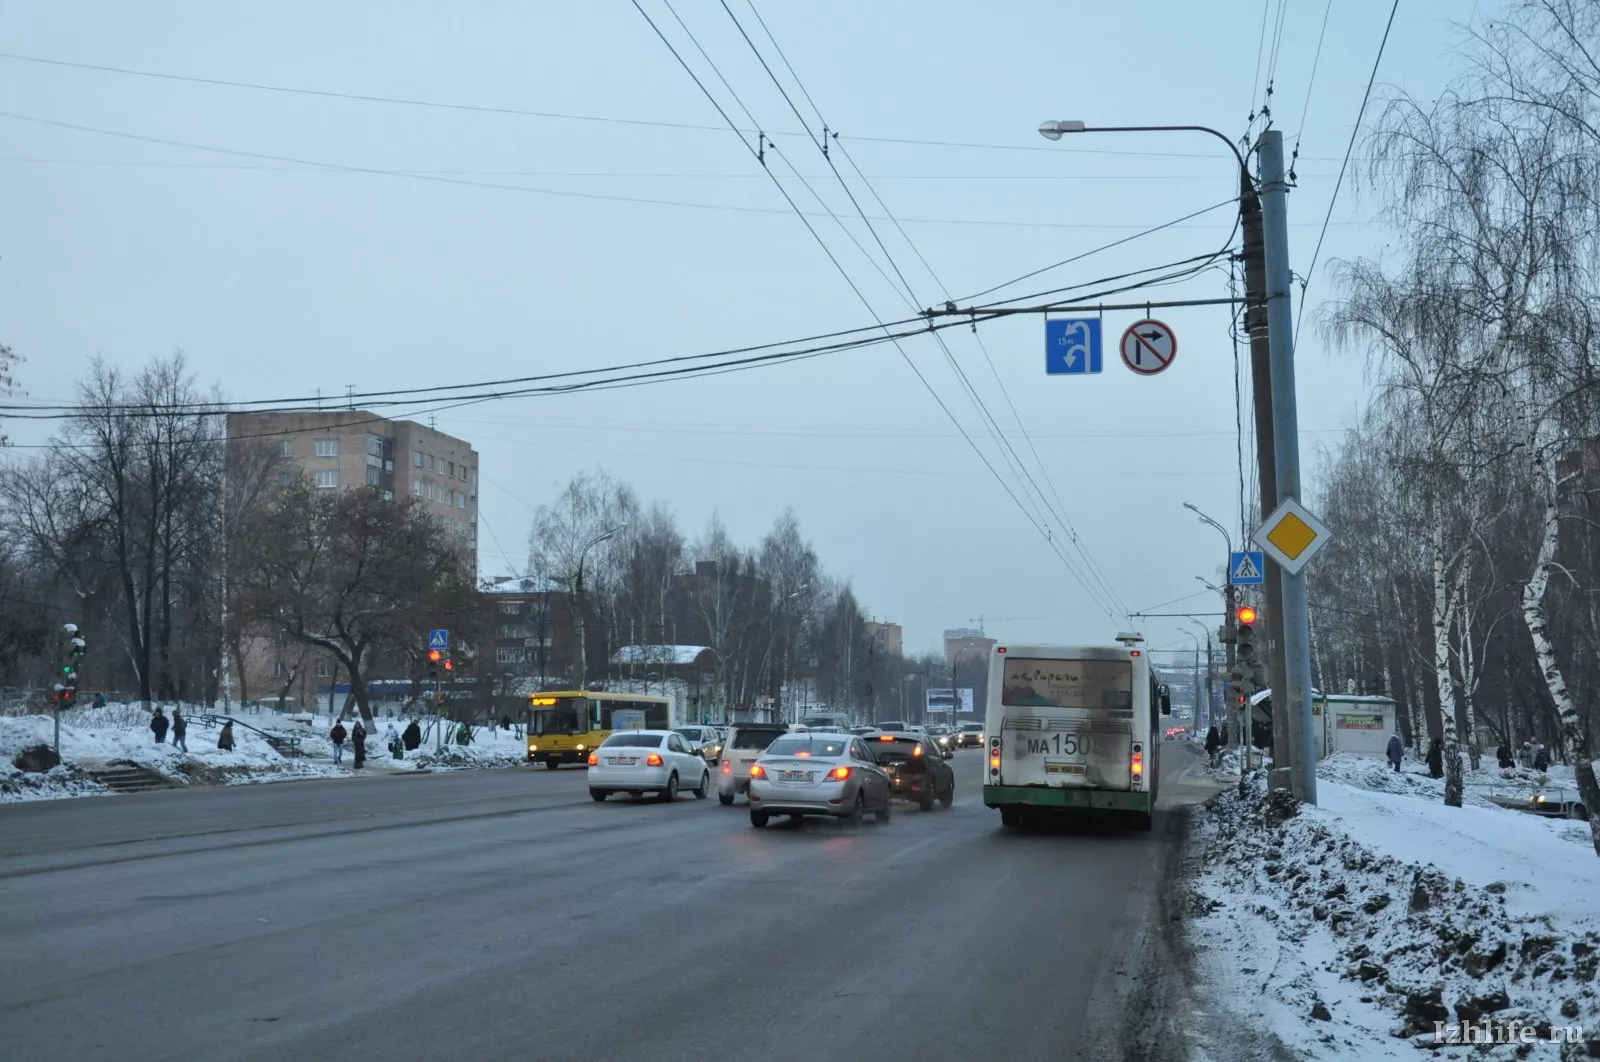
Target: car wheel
(859, 809)
(598, 794)
(925, 802)
(703, 790)
(725, 799)
(758, 818)
(884, 812)
(949, 796)
(670, 793)
(551, 764)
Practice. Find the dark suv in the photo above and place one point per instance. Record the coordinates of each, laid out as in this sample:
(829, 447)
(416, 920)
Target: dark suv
(917, 768)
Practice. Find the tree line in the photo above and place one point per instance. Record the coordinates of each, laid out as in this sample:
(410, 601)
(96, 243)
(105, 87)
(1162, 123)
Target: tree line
(1462, 577)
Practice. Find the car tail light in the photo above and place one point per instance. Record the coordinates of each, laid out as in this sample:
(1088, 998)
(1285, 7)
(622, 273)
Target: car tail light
(594, 759)
(1138, 765)
(839, 774)
(757, 771)
(727, 766)
(916, 750)
(653, 760)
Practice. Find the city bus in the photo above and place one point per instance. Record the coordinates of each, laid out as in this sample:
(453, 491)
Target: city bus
(565, 726)
(1073, 731)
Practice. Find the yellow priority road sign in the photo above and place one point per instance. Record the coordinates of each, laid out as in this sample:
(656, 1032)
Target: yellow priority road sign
(1292, 536)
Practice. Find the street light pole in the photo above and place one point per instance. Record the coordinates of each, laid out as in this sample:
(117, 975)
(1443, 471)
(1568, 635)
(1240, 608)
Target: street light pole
(583, 624)
(1286, 449)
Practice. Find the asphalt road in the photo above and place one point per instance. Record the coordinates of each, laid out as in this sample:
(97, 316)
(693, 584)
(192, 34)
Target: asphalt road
(504, 915)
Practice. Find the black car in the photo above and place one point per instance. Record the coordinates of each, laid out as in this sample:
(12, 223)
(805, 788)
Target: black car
(917, 769)
(969, 736)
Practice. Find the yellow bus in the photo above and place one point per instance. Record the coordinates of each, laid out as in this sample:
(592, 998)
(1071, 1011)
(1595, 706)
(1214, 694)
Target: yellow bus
(566, 725)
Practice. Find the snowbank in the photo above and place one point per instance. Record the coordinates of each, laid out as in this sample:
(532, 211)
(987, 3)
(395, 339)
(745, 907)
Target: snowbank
(1359, 924)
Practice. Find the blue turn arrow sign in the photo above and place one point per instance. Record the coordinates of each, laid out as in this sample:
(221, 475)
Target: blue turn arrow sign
(1072, 346)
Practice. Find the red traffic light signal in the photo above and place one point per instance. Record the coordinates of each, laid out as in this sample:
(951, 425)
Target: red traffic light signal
(433, 656)
(1246, 614)
(449, 665)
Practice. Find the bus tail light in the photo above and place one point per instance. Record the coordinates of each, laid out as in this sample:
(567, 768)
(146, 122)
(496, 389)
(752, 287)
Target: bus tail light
(994, 757)
(653, 760)
(594, 759)
(1138, 766)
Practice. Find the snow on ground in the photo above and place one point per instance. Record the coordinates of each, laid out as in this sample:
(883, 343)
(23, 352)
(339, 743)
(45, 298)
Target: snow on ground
(1352, 927)
(94, 738)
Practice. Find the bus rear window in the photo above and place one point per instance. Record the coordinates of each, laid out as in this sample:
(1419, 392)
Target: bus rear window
(1031, 683)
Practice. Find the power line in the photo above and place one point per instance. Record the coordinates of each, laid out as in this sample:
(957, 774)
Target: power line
(1349, 149)
(551, 115)
(1311, 83)
(972, 391)
(856, 289)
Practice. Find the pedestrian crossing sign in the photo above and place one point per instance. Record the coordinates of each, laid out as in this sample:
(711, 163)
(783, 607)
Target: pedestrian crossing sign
(1247, 568)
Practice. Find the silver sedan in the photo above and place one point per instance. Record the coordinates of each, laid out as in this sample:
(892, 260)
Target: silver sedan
(818, 774)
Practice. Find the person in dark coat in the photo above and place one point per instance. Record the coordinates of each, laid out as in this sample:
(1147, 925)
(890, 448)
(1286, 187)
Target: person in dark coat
(1213, 744)
(180, 728)
(100, 699)
(412, 737)
(358, 744)
(158, 726)
(337, 736)
(1541, 760)
(1503, 755)
(225, 739)
(1396, 751)
(1436, 759)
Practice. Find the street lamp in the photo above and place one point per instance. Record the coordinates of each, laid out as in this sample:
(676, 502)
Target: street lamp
(1223, 531)
(1210, 676)
(577, 583)
(1055, 130)
(787, 647)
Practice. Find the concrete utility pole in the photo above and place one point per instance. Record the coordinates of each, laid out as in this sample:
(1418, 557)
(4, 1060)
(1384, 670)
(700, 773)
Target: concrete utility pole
(1255, 290)
(1296, 687)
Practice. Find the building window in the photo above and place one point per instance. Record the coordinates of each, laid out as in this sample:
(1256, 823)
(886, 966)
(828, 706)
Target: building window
(416, 458)
(509, 655)
(278, 670)
(433, 463)
(325, 669)
(513, 632)
(375, 446)
(388, 495)
(327, 477)
(327, 447)
(286, 448)
(452, 469)
(374, 476)
(461, 500)
(285, 477)
(416, 487)
(511, 608)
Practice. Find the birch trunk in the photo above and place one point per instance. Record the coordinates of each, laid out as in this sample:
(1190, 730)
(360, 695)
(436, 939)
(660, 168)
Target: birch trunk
(1469, 681)
(1443, 613)
(1533, 614)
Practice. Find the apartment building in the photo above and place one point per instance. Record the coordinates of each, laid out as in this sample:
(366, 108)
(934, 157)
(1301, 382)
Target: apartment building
(345, 450)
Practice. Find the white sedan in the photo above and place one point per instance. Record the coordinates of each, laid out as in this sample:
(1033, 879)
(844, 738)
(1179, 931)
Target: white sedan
(647, 761)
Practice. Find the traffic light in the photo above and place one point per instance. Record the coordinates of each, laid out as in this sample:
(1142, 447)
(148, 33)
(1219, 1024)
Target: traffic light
(449, 665)
(1248, 666)
(434, 657)
(71, 651)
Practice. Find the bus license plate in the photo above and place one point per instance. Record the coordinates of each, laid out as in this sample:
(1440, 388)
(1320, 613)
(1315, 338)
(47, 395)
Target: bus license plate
(1063, 768)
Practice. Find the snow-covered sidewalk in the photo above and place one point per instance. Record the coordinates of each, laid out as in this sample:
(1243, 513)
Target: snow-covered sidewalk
(1360, 927)
(93, 739)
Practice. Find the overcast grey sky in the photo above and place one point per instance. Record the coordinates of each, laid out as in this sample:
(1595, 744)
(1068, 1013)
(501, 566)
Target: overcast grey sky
(274, 276)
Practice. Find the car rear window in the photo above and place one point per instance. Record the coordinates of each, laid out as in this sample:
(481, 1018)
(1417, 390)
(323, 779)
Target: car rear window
(894, 750)
(635, 741)
(897, 727)
(972, 728)
(808, 746)
(754, 739)
(693, 733)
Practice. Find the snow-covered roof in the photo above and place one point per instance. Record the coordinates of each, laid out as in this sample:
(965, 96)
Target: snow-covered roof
(680, 655)
(1262, 695)
(512, 584)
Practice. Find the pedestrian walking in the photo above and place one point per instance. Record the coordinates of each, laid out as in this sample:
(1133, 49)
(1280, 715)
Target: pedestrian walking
(1541, 760)
(158, 726)
(1213, 745)
(100, 699)
(1396, 751)
(337, 736)
(1503, 756)
(1436, 759)
(412, 737)
(225, 739)
(358, 744)
(180, 729)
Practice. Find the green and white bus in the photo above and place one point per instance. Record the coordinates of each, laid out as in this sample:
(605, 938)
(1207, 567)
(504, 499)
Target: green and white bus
(1073, 730)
